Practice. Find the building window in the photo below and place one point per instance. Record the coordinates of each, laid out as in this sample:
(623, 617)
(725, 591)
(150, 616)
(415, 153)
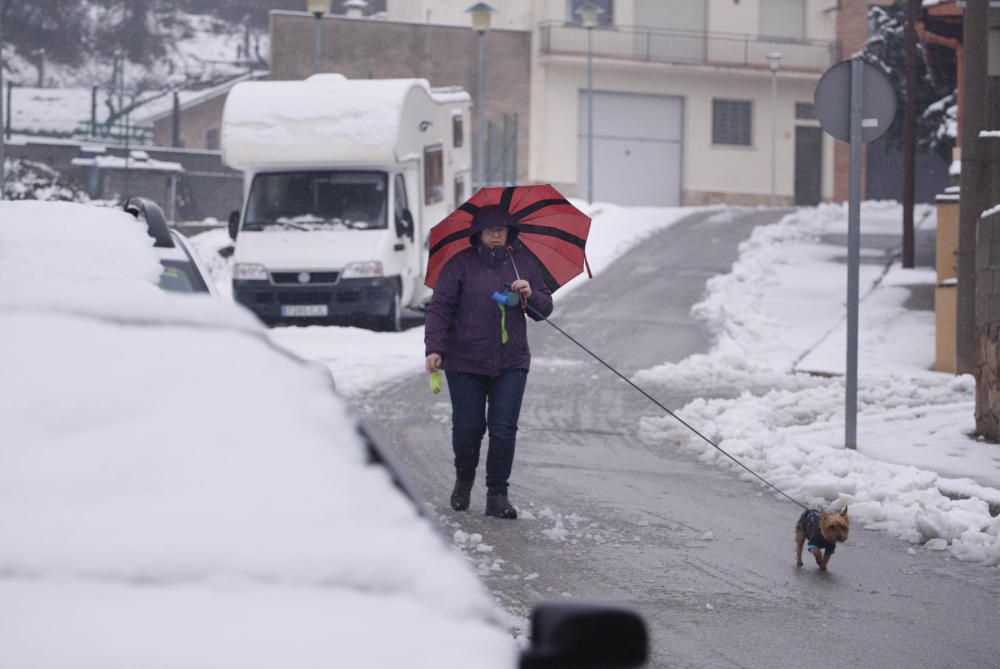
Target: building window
(605, 18)
(731, 122)
(805, 111)
(212, 139)
(457, 131)
(433, 174)
(783, 19)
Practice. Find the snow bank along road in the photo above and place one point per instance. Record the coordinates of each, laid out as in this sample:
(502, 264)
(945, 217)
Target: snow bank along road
(707, 558)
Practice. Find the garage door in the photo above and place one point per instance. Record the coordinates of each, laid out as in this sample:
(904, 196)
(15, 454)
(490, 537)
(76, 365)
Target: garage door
(637, 148)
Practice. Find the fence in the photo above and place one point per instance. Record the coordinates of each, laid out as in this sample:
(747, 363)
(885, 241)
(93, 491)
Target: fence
(682, 47)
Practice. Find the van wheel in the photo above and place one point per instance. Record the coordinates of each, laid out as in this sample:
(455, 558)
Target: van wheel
(393, 322)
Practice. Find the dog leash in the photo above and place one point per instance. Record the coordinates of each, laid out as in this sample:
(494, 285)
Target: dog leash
(668, 411)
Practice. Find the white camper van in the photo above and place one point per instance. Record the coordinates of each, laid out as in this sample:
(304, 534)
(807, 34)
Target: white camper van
(343, 179)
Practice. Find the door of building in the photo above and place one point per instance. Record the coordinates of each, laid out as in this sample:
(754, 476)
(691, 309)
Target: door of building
(808, 165)
(637, 148)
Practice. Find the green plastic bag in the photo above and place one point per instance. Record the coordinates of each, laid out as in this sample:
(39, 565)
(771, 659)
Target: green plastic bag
(435, 381)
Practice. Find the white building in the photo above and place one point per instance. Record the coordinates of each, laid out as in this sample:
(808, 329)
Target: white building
(682, 96)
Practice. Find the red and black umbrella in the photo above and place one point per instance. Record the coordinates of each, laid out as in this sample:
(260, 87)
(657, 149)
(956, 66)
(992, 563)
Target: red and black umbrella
(550, 228)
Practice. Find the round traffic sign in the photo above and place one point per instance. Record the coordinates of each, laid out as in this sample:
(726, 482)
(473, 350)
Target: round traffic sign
(833, 102)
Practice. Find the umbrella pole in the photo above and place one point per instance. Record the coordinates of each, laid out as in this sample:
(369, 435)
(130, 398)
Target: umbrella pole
(652, 399)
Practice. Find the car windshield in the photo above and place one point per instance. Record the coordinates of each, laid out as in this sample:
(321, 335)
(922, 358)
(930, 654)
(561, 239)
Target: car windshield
(181, 277)
(317, 201)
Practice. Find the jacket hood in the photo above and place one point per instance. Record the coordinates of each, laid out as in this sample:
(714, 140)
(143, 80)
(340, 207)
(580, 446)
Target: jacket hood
(492, 216)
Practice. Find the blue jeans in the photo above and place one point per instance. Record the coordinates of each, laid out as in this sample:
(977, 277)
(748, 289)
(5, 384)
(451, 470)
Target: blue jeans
(479, 402)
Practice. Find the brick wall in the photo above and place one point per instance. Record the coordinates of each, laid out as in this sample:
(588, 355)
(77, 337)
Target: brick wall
(852, 32)
(196, 121)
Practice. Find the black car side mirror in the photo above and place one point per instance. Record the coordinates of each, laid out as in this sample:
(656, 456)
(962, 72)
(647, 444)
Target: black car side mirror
(404, 224)
(234, 224)
(585, 636)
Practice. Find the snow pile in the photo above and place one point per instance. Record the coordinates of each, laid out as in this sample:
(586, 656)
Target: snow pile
(783, 305)
(94, 260)
(54, 251)
(31, 180)
(154, 495)
(214, 249)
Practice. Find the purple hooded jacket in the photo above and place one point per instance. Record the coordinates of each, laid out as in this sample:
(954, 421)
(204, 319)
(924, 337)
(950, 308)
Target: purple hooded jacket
(463, 322)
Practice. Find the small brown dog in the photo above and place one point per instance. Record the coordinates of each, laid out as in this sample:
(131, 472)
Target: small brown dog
(823, 530)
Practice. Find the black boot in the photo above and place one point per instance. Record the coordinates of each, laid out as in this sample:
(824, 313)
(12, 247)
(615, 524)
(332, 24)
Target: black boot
(460, 494)
(499, 506)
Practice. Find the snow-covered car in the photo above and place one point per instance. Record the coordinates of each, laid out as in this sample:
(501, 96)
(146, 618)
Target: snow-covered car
(183, 271)
(176, 491)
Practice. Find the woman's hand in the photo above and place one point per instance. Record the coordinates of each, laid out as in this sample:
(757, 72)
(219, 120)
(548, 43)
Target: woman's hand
(433, 362)
(523, 287)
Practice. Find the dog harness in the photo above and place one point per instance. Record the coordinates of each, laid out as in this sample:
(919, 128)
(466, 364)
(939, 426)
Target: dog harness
(810, 525)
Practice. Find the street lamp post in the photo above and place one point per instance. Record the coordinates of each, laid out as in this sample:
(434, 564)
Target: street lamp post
(481, 14)
(589, 13)
(773, 61)
(317, 8)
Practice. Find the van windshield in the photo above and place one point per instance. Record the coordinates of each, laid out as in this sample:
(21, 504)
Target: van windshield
(317, 201)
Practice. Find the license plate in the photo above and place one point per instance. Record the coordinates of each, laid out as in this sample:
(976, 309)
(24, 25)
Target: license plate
(306, 310)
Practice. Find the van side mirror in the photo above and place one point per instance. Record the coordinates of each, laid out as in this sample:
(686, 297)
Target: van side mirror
(404, 224)
(234, 224)
(570, 634)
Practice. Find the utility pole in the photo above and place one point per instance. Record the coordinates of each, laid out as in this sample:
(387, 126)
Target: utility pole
(974, 182)
(987, 309)
(910, 133)
(3, 146)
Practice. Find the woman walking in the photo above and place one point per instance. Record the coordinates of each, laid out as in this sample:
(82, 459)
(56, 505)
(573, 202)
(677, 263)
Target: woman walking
(482, 346)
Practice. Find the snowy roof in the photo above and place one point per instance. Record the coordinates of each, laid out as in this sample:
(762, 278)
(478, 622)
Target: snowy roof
(163, 106)
(50, 111)
(325, 115)
(156, 496)
(136, 162)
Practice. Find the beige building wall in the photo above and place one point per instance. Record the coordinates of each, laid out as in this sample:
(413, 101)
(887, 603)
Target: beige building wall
(711, 173)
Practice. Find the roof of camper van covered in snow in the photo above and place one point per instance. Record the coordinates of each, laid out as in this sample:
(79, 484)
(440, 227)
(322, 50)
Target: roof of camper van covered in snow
(325, 117)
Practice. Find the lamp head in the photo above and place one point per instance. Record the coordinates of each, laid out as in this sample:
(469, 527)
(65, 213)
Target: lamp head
(318, 7)
(589, 14)
(481, 13)
(773, 60)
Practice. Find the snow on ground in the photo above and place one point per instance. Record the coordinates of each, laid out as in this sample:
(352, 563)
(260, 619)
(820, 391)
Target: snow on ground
(778, 318)
(362, 361)
(138, 509)
(916, 473)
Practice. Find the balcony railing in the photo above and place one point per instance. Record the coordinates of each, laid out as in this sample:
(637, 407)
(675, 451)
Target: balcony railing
(689, 48)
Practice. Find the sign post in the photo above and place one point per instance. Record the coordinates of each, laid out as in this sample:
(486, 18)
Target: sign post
(870, 108)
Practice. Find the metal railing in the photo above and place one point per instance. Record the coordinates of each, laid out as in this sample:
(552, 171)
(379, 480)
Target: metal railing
(119, 132)
(683, 47)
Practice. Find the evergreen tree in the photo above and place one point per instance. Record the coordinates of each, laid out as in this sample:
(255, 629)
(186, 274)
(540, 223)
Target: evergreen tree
(886, 49)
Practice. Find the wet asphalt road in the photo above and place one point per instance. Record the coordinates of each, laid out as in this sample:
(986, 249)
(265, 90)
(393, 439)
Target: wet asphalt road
(706, 557)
